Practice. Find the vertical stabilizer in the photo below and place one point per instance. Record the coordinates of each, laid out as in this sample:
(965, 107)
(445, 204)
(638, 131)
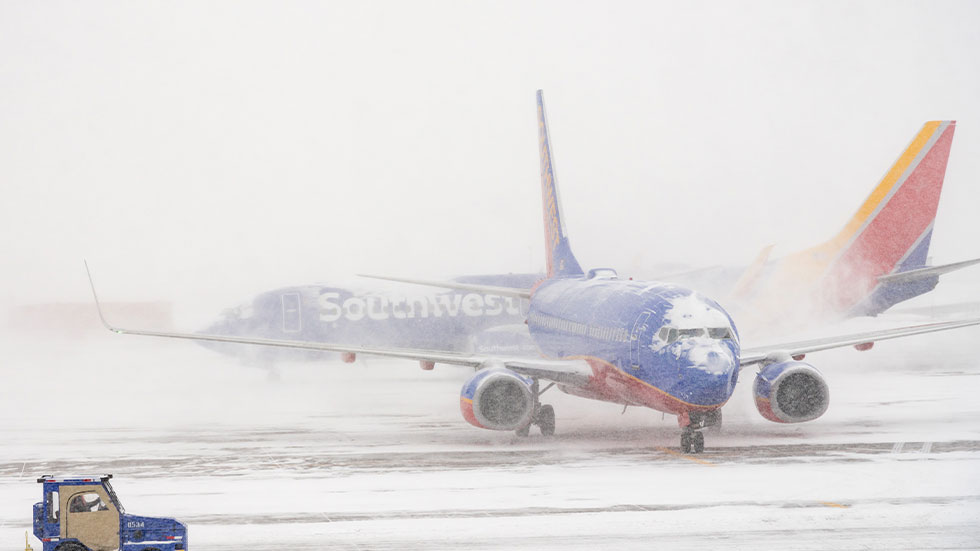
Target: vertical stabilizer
(889, 234)
(558, 253)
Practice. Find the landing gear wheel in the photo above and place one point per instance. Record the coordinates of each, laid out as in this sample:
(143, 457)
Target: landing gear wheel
(686, 441)
(697, 442)
(546, 420)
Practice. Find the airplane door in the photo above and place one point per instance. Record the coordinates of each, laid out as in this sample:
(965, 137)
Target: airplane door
(638, 329)
(292, 318)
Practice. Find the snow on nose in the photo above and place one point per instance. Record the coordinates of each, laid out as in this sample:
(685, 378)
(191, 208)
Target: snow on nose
(713, 366)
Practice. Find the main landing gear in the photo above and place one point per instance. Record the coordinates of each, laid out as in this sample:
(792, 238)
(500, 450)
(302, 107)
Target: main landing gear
(692, 439)
(543, 415)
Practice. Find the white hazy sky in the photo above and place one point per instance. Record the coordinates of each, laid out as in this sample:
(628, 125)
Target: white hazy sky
(215, 149)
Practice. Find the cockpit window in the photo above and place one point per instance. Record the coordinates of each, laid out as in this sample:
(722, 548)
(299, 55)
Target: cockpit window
(721, 333)
(671, 334)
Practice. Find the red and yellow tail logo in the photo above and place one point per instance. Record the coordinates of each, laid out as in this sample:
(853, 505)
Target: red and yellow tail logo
(890, 232)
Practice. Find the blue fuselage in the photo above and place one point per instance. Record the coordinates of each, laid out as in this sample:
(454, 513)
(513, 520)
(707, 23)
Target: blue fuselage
(651, 344)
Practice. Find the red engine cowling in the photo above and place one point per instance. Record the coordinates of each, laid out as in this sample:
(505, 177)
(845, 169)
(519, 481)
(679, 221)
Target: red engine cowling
(791, 392)
(497, 399)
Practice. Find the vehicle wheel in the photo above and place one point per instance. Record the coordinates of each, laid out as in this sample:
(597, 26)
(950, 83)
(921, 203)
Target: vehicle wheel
(686, 442)
(546, 420)
(697, 442)
(523, 431)
(71, 546)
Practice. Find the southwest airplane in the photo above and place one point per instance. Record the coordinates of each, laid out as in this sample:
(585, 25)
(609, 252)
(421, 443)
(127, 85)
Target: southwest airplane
(875, 270)
(457, 321)
(659, 345)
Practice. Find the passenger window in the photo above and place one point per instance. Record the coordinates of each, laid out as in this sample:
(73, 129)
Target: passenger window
(86, 503)
(52, 504)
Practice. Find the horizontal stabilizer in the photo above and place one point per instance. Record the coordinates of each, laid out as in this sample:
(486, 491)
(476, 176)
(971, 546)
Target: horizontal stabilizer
(924, 273)
(487, 289)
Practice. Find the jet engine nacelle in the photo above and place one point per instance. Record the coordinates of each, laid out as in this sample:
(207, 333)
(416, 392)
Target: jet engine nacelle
(496, 398)
(791, 392)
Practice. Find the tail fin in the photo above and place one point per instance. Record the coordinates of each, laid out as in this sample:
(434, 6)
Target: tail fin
(892, 230)
(558, 253)
(893, 227)
(889, 233)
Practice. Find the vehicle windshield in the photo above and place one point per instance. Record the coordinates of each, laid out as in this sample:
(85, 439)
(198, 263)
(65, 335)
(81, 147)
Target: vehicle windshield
(113, 497)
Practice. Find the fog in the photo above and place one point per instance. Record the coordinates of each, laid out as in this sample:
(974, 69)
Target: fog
(198, 153)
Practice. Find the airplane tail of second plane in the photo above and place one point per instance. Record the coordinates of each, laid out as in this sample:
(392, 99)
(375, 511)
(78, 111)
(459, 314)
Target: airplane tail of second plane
(889, 234)
(558, 253)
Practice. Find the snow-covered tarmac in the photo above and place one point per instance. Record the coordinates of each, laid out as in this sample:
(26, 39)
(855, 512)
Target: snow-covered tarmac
(375, 455)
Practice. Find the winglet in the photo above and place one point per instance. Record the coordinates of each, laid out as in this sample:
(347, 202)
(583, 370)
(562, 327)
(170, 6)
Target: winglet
(558, 253)
(97, 305)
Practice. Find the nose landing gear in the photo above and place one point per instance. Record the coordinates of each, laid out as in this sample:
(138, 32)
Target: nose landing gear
(692, 439)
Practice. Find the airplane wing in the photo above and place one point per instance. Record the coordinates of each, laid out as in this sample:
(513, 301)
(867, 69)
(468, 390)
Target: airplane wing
(575, 373)
(783, 351)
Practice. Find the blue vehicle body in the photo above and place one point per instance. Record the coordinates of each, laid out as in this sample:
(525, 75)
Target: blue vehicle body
(85, 513)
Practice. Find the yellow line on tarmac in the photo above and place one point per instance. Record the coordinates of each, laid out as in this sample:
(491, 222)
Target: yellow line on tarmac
(688, 457)
(835, 505)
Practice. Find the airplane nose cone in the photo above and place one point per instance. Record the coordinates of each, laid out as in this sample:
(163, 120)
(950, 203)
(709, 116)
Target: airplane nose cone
(710, 375)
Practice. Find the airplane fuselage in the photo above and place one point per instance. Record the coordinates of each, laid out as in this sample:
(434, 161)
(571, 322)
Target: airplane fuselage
(452, 321)
(649, 344)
